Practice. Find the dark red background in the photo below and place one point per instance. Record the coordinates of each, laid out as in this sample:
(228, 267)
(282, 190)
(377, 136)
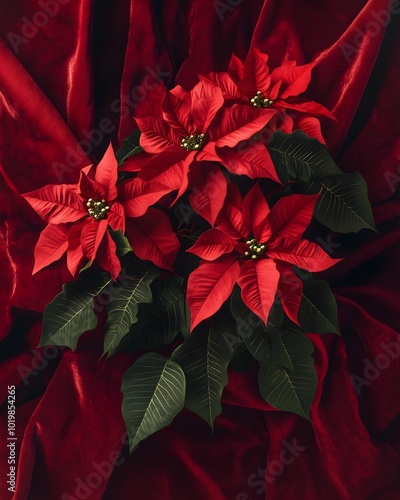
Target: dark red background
(57, 86)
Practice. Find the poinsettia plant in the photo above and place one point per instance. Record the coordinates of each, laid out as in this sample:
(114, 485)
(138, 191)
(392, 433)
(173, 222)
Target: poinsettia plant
(199, 239)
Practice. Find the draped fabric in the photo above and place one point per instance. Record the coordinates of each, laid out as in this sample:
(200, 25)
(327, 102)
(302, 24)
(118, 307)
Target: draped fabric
(72, 73)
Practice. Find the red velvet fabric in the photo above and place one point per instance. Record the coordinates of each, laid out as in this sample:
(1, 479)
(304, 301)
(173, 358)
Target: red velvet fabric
(81, 74)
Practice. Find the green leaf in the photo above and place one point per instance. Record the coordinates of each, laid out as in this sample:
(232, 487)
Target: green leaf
(153, 390)
(123, 306)
(343, 205)
(204, 358)
(250, 327)
(261, 342)
(278, 353)
(290, 390)
(297, 156)
(130, 147)
(122, 242)
(160, 322)
(185, 327)
(257, 344)
(318, 308)
(71, 313)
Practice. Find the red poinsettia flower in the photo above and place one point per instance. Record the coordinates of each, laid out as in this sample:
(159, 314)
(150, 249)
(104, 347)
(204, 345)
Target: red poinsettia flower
(252, 82)
(78, 216)
(188, 126)
(255, 247)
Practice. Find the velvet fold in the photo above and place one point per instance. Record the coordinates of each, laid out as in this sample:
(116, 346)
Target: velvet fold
(69, 87)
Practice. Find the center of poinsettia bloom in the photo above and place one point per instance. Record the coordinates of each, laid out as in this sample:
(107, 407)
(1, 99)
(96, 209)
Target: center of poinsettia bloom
(97, 209)
(193, 142)
(259, 101)
(255, 249)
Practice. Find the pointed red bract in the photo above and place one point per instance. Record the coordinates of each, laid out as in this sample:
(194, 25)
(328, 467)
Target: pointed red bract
(156, 134)
(176, 112)
(92, 234)
(107, 257)
(255, 210)
(152, 238)
(209, 187)
(57, 203)
(206, 100)
(311, 126)
(75, 255)
(251, 159)
(236, 68)
(137, 195)
(106, 174)
(116, 217)
(259, 282)
(290, 290)
(231, 220)
(256, 75)
(166, 169)
(209, 286)
(51, 246)
(291, 216)
(304, 254)
(309, 107)
(225, 83)
(294, 79)
(212, 244)
(238, 123)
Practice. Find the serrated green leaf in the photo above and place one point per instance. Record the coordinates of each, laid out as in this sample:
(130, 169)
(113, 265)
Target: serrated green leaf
(153, 390)
(122, 242)
(204, 358)
(71, 313)
(123, 306)
(130, 147)
(160, 322)
(318, 308)
(343, 205)
(297, 156)
(287, 390)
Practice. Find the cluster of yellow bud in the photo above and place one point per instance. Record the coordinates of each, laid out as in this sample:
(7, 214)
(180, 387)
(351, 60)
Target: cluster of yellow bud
(255, 249)
(97, 209)
(193, 142)
(259, 101)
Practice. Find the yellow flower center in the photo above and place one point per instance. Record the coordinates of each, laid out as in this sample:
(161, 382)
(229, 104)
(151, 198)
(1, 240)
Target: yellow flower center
(97, 209)
(193, 142)
(259, 101)
(255, 249)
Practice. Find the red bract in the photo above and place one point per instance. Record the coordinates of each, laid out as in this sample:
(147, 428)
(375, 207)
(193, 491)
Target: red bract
(252, 82)
(255, 247)
(189, 126)
(152, 238)
(78, 216)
